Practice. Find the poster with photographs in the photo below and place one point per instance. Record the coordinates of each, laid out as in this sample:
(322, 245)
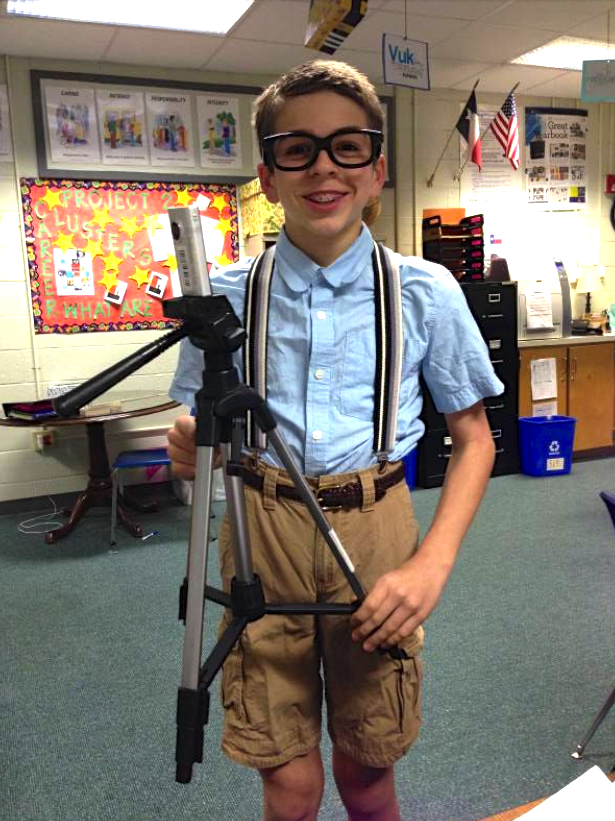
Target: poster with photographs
(121, 119)
(169, 121)
(71, 123)
(556, 158)
(6, 145)
(219, 132)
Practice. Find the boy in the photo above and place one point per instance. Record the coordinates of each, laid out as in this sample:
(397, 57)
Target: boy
(320, 131)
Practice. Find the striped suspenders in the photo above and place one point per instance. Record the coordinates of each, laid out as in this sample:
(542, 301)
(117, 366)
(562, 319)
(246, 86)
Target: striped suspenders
(389, 343)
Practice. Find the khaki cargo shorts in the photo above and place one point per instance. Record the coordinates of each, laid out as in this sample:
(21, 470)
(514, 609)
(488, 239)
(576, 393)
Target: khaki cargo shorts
(273, 679)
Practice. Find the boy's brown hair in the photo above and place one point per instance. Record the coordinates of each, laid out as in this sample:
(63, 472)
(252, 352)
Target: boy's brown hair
(308, 78)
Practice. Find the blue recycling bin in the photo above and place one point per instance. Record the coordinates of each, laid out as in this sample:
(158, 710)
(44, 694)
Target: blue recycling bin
(546, 444)
(410, 468)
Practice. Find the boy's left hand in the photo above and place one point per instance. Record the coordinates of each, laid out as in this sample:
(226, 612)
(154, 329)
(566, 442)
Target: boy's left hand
(399, 602)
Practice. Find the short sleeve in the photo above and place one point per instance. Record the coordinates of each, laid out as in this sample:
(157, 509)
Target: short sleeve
(456, 367)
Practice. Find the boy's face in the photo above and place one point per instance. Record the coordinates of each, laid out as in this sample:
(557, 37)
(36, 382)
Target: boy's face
(323, 203)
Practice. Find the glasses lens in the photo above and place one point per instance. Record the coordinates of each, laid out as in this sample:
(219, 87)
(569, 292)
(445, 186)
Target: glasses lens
(354, 148)
(293, 151)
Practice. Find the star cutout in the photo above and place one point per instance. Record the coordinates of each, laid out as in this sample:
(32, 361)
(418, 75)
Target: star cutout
(52, 198)
(219, 202)
(140, 276)
(101, 217)
(64, 241)
(112, 262)
(151, 222)
(130, 227)
(171, 262)
(224, 226)
(183, 197)
(94, 249)
(109, 279)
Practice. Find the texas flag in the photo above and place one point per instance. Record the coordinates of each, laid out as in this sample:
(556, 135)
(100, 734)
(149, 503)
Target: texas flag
(468, 127)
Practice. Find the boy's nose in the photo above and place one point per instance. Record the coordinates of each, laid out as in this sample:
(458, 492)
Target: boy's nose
(323, 162)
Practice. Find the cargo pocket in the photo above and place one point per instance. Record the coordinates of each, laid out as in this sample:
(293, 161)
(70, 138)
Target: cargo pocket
(232, 684)
(409, 681)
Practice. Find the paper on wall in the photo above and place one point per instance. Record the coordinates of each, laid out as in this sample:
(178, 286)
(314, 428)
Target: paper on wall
(545, 408)
(539, 311)
(591, 797)
(543, 379)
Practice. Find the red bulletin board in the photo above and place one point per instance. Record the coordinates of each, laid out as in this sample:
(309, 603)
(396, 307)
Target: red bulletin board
(96, 259)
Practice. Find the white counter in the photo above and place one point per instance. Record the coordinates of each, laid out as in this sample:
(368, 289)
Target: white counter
(587, 339)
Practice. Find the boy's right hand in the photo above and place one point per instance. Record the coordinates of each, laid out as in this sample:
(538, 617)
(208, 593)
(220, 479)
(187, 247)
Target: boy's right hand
(182, 448)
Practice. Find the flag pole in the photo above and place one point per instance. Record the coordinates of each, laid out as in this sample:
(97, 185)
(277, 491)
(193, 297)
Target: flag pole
(458, 173)
(450, 136)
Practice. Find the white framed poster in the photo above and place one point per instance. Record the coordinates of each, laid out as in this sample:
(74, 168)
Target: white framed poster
(556, 158)
(219, 131)
(6, 145)
(71, 124)
(123, 133)
(169, 120)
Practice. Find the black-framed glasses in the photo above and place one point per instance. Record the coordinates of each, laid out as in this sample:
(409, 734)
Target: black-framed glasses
(298, 150)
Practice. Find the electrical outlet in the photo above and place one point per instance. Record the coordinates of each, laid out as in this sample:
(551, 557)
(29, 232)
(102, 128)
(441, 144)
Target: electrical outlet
(42, 439)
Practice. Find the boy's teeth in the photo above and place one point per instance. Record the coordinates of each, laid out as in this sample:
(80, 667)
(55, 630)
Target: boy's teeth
(323, 197)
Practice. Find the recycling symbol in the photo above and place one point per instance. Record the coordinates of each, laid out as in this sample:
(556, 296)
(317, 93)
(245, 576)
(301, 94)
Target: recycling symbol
(554, 446)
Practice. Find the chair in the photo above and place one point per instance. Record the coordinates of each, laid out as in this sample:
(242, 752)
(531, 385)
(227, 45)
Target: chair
(131, 459)
(609, 501)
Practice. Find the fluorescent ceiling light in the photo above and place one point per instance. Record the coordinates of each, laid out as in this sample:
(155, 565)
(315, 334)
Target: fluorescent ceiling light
(567, 53)
(180, 15)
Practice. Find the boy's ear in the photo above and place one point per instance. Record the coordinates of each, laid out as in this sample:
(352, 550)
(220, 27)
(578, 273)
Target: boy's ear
(380, 172)
(268, 182)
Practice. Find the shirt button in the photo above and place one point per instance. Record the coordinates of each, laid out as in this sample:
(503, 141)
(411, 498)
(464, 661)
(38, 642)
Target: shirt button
(321, 315)
(317, 435)
(319, 374)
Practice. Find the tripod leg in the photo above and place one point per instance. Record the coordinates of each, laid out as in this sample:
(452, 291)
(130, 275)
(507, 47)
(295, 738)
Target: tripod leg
(192, 703)
(600, 716)
(236, 504)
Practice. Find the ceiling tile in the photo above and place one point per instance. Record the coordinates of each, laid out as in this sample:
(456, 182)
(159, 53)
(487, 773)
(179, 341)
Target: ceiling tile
(555, 15)
(54, 38)
(249, 57)
(445, 73)
(596, 29)
(458, 9)
(495, 44)
(567, 85)
(274, 21)
(155, 47)
(368, 35)
(503, 78)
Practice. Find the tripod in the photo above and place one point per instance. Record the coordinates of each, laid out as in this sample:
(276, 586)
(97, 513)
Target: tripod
(222, 404)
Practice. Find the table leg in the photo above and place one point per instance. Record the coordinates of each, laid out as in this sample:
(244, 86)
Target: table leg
(98, 490)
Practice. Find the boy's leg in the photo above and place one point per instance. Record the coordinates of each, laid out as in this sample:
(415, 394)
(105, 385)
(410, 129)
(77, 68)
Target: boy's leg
(368, 793)
(293, 791)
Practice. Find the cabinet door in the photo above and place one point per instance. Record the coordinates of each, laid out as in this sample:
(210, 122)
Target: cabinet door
(559, 353)
(592, 394)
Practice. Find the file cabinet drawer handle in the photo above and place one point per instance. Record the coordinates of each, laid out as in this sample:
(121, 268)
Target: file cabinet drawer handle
(494, 297)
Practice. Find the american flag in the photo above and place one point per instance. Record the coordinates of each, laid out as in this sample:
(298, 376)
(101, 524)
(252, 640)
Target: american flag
(505, 127)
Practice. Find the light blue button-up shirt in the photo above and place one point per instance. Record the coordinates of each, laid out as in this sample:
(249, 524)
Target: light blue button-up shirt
(322, 353)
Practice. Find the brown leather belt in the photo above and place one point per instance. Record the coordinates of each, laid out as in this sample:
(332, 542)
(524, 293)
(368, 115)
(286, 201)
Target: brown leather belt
(348, 495)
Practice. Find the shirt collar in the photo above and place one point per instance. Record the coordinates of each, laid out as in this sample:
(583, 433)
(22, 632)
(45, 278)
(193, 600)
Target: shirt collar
(298, 271)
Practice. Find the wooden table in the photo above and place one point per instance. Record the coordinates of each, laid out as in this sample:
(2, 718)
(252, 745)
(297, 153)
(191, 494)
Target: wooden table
(98, 490)
(517, 812)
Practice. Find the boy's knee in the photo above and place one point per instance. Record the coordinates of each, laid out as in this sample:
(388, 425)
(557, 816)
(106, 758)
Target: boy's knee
(293, 791)
(367, 792)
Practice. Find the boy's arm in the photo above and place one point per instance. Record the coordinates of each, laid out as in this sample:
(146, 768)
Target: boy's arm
(402, 599)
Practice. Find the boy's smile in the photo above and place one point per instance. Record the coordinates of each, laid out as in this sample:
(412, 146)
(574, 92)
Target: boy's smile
(322, 204)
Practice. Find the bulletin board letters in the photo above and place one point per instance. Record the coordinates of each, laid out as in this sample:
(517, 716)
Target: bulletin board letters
(101, 255)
